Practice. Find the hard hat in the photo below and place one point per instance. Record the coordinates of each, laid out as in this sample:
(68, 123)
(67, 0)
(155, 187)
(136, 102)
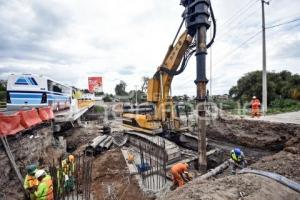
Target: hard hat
(71, 158)
(237, 151)
(40, 173)
(31, 169)
(254, 97)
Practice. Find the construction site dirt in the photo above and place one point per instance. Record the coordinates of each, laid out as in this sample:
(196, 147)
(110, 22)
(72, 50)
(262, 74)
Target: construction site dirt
(268, 146)
(273, 147)
(111, 178)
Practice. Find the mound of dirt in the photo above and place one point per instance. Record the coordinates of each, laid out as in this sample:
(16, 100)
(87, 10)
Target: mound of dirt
(264, 135)
(283, 163)
(246, 186)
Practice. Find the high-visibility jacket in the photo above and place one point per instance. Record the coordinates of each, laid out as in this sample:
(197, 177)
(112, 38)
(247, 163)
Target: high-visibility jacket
(30, 182)
(45, 189)
(179, 168)
(68, 168)
(235, 157)
(255, 104)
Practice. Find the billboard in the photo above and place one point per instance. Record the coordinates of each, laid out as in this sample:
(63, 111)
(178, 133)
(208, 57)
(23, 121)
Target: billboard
(95, 84)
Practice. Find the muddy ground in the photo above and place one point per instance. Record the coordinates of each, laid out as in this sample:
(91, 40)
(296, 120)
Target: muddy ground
(246, 186)
(111, 179)
(279, 142)
(270, 147)
(255, 134)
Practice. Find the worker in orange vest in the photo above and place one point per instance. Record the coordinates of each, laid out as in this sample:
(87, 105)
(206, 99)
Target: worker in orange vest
(178, 170)
(44, 191)
(255, 107)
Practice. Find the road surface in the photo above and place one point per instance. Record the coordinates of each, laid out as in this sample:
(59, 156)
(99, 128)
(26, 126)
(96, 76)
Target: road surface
(291, 117)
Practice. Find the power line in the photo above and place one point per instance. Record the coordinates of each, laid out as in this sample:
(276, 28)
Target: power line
(240, 12)
(229, 54)
(241, 44)
(284, 23)
(229, 31)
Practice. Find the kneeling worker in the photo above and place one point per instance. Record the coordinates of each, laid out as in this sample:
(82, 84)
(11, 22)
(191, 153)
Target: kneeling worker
(237, 160)
(45, 188)
(178, 170)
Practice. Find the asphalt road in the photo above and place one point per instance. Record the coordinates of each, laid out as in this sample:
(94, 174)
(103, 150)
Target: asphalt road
(291, 117)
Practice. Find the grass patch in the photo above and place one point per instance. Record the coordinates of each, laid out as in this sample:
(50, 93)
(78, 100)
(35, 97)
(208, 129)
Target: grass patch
(283, 105)
(99, 109)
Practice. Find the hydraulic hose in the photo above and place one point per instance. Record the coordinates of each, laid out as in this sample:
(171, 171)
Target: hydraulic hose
(281, 179)
(215, 26)
(189, 54)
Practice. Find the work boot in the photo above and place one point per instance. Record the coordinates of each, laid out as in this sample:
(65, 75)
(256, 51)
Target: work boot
(173, 187)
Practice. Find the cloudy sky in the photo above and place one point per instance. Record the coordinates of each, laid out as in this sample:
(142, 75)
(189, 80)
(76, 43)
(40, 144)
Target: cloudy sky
(125, 40)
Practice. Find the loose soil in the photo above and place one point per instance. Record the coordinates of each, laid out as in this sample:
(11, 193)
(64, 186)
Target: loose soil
(111, 179)
(255, 134)
(246, 187)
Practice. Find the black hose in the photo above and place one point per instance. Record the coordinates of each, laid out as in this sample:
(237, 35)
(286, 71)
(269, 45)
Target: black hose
(215, 26)
(281, 179)
(178, 31)
(189, 54)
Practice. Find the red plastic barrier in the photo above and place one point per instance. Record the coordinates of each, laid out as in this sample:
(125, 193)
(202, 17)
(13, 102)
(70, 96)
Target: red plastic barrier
(10, 124)
(30, 118)
(46, 113)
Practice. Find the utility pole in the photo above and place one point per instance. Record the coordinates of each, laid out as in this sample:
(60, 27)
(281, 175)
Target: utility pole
(210, 57)
(264, 61)
(136, 103)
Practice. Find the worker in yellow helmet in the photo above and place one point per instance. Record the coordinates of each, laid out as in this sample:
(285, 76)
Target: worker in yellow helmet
(68, 169)
(30, 182)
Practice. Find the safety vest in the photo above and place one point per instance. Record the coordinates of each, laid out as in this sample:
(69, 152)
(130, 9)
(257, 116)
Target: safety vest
(30, 182)
(179, 168)
(68, 168)
(45, 189)
(235, 157)
(255, 104)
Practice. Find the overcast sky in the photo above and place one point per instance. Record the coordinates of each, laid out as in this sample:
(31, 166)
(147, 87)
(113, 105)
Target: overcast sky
(125, 40)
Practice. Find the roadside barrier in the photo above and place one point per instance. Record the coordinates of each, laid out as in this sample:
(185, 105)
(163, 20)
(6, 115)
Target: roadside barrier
(10, 124)
(46, 113)
(30, 118)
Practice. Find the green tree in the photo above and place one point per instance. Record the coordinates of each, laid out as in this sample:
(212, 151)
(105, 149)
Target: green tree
(2, 85)
(281, 85)
(2, 90)
(108, 98)
(120, 89)
(141, 96)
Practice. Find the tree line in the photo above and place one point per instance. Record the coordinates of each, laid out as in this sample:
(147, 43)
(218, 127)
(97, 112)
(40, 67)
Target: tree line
(281, 85)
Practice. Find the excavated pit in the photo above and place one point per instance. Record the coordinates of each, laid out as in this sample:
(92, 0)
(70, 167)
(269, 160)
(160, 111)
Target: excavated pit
(268, 146)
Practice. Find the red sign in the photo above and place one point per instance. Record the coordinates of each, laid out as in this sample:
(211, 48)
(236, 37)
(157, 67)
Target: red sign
(95, 84)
